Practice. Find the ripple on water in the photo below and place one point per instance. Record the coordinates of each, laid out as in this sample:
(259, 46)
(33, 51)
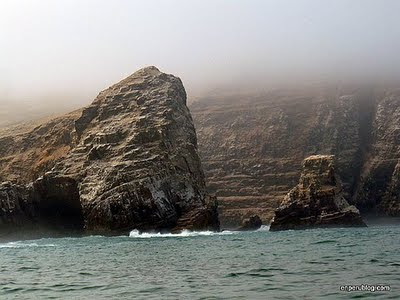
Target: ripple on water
(259, 265)
(324, 242)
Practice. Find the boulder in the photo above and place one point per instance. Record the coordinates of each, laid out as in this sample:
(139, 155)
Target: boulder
(252, 223)
(317, 201)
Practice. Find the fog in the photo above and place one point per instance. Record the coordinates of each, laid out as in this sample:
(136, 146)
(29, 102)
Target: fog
(57, 55)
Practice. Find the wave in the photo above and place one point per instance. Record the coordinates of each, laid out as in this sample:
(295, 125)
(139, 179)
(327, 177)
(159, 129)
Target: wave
(185, 233)
(24, 245)
(263, 228)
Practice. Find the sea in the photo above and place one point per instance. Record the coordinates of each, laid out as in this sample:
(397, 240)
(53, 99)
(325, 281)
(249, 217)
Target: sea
(341, 263)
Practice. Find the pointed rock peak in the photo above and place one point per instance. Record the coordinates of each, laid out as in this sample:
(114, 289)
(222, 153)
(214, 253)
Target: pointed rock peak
(146, 72)
(151, 70)
(144, 76)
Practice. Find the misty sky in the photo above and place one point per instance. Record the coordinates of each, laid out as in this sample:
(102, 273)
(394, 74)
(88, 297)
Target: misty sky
(68, 50)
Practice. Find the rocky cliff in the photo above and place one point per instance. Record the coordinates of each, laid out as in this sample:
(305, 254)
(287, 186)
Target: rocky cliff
(318, 199)
(252, 146)
(129, 160)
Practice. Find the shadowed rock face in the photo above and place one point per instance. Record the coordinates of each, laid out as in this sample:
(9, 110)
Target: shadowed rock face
(44, 208)
(377, 189)
(391, 200)
(58, 202)
(252, 223)
(130, 161)
(317, 201)
(16, 206)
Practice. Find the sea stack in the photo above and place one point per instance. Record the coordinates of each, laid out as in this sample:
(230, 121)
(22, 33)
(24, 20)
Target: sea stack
(317, 201)
(129, 162)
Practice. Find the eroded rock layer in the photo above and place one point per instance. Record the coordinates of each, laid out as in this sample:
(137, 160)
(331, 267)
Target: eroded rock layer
(317, 201)
(252, 146)
(130, 159)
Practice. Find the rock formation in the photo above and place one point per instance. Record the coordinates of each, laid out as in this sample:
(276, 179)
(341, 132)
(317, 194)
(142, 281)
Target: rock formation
(391, 200)
(252, 146)
(317, 201)
(252, 223)
(16, 206)
(40, 209)
(379, 175)
(129, 160)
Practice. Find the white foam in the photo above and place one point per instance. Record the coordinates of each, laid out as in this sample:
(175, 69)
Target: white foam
(24, 245)
(185, 233)
(264, 228)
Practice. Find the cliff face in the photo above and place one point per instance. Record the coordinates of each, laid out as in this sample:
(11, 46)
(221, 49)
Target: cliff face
(317, 201)
(379, 181)
(129, 159)
(252, 147)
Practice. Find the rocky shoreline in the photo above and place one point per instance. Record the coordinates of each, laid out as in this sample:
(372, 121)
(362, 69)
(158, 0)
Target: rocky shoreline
(130, 160)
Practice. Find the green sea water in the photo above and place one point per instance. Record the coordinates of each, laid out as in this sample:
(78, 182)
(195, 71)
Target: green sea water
(308, 264)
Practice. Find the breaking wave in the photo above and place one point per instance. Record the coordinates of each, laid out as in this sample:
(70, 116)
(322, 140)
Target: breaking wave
(263, 228)
(185, 233)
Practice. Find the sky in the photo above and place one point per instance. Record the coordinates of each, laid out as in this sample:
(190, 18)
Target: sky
(64, 52)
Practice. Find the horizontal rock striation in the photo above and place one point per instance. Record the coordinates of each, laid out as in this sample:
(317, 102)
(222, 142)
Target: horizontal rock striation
(317, 201)
(129, 160)
(252, 146)
(29, 150)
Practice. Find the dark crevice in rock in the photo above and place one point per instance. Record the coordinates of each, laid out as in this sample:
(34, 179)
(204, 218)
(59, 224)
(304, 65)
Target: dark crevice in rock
(59, 204)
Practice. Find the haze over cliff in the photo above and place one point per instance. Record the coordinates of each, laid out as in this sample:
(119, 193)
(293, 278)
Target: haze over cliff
(269, 83)
(56, 55)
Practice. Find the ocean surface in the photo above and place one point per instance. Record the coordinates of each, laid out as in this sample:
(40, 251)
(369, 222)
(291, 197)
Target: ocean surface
(308, 264)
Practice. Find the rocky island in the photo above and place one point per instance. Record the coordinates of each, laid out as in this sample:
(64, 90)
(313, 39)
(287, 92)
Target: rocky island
(317, 201)
(127, 161)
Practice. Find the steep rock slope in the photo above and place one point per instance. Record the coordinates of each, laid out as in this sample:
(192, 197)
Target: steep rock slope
(252, 146)
(130, 158)
(378, 189)
(27, 151)
(317, 201)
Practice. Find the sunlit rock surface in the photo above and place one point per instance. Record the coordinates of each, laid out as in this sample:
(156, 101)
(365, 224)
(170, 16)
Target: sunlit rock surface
(130, 159)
